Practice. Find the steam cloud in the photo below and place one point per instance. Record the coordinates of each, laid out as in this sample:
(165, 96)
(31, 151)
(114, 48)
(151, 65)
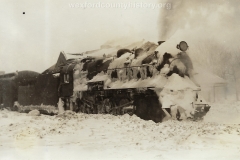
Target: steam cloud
(210, 27)
(207, 15)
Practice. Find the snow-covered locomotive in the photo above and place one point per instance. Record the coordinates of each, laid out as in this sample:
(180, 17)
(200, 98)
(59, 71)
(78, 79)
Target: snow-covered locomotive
(144, 78)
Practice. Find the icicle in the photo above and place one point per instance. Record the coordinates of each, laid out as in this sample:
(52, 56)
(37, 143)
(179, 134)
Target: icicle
(135, 72)
(143, 72)
(129, 74)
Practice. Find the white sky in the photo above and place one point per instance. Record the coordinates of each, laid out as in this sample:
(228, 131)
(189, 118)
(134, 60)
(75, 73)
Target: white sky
(33, 41)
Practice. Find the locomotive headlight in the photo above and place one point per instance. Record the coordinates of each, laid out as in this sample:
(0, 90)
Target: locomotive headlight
(183, 46)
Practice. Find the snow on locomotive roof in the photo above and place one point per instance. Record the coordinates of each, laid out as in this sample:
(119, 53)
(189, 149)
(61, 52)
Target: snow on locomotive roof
(126, 42)
(105, 51)
(174, 82)
(158, 82)
(111, 50)
(95, 53)
(169, 46)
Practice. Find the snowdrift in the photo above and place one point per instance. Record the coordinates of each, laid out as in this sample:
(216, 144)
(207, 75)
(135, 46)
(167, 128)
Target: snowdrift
(96, 136)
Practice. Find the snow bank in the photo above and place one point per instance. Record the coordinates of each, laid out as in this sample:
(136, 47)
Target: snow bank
(94, 137)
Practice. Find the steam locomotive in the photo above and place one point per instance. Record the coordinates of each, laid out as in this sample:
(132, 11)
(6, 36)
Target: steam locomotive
(110, 80)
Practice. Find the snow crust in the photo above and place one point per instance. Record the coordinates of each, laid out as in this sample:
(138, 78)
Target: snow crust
(95, 137)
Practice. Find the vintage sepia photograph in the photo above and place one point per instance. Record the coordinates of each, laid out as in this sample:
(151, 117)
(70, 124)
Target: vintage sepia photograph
(120, 80)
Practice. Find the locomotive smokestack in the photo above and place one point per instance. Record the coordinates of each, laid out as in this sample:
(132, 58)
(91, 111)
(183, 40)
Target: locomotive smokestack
(160, 42)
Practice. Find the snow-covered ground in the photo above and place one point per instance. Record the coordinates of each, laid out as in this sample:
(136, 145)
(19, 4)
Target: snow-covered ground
(102, 137)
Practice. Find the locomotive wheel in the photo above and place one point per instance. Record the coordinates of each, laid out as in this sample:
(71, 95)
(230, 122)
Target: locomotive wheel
(83, 108)
(95, 109)
(121, 110)
(107, 106)
(87, 109)
(114, 109)
(100, 109)
(80, 108)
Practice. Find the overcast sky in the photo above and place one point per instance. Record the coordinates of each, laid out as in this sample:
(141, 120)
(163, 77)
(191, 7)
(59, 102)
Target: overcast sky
(33, 41)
